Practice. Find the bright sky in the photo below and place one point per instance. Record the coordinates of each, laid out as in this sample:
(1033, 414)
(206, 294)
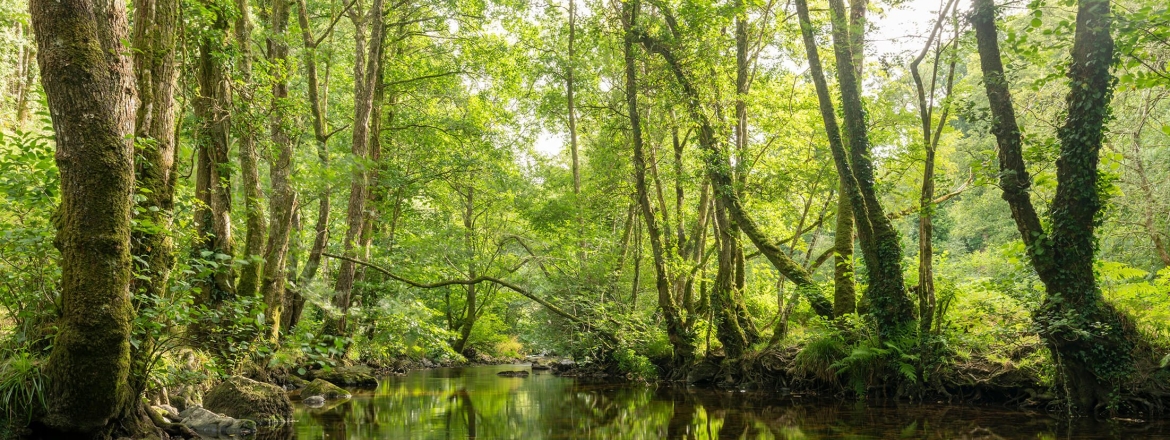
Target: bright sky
(893, 31)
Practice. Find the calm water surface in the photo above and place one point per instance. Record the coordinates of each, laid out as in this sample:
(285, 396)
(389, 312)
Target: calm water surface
(464, 403)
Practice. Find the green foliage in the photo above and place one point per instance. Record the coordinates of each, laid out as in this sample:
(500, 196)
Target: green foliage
(29, 274)
(872, 361)
(819, 355)
(1143, 296)
(634, 365)
(22, 389)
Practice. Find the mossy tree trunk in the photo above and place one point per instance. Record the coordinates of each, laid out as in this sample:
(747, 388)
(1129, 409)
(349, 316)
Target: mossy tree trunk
(283, 199)
(365, 74)
(246, 126)
(844, 284)
(681, 338)
(154, 40)
(213, 175)
(886, 291)
(723, 302)
(1091, 343)
(90, 85)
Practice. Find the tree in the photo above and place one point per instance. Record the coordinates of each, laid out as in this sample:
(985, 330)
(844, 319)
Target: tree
(88, 79)
(886, 292)
(365, 74)
(154, 135)
(680, 337)
(213, 176)
(1092, 344)
(283, 199)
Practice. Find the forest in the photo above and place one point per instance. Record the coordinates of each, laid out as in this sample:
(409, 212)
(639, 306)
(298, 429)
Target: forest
(734, 194)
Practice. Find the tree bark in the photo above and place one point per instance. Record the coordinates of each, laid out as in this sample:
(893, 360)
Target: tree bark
(680, 337)
(1091, 343)
(90, 85)
(154, 41)
(213, 177)
(246, 127)
(283, 201)
(365, 73)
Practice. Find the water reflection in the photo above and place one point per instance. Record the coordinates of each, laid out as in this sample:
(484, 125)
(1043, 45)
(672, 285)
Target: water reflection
(475, 403)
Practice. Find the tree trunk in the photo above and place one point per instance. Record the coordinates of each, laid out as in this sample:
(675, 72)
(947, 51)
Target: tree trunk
(89, 82)
(728, 329)
(742, 85)
(213, 177)
(1091, 343)
(718, 172)
(365, 73)
(283, 200)
(930, 138)
(880, 246)
(470, 305)
(844, 285)
(570, 95)
(26, 85)
(246, 127)
(154, 42)
(680, 338)
(321, 227)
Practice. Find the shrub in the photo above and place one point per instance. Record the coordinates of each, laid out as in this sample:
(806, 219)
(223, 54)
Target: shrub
(22, 389)
(635, 366)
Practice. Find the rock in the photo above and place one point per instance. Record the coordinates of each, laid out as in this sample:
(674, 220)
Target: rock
(292, 382)
(356, 376)
(537, 366)
(325, 390)
(314, 401)
(703, 372)
(563, 365)
(210, 424)
(243, 398)
(520, 373)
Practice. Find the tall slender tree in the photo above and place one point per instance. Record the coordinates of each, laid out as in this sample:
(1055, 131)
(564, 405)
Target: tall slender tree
(154, 39)
(365, 74)
(283, 199)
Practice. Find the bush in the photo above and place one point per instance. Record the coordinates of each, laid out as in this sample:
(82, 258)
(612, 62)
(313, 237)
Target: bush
(510, 347)
(635, 365)
(819, 355)
(22, 389)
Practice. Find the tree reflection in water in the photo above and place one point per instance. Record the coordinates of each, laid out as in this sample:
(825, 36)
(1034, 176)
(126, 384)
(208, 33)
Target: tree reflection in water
(464, 403)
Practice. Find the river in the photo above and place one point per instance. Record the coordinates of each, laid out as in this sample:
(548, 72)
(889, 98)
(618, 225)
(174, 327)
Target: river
(474, 402)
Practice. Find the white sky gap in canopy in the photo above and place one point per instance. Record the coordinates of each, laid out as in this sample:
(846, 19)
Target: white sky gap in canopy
(893, 31)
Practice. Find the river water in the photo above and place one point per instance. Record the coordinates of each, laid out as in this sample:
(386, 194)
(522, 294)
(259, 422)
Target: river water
(474, 402)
